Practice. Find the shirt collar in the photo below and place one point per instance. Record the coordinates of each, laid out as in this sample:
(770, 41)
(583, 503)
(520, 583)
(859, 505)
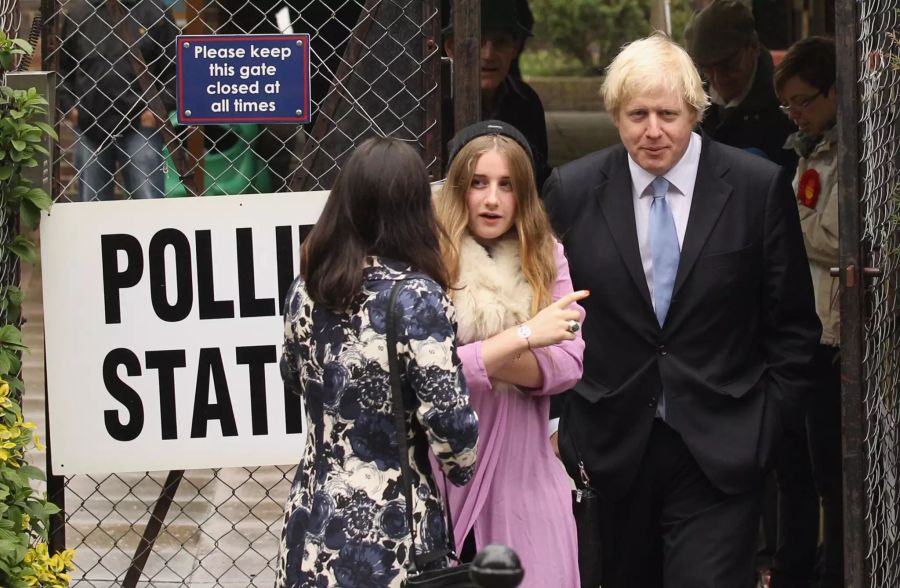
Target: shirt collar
(682, 176)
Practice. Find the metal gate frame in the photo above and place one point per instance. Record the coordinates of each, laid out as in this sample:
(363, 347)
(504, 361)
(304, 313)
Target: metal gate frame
(867, 89)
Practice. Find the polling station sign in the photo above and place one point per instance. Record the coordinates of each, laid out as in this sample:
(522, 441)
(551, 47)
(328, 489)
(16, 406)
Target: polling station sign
(163, 331)
(242, 79)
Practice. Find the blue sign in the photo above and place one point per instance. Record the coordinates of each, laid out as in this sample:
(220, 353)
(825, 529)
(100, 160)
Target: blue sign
(243, 79)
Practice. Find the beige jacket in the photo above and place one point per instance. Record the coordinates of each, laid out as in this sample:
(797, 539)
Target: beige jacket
(819, 220)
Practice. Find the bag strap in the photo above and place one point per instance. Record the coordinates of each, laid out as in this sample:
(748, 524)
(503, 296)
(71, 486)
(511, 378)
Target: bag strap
(400, 425)
(151, 91)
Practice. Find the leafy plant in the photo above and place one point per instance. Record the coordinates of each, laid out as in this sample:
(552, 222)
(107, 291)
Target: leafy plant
(25, 561)
(592, 31)
(9, 48)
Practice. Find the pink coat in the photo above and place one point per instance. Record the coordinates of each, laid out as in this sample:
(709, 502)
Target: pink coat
(520, 495)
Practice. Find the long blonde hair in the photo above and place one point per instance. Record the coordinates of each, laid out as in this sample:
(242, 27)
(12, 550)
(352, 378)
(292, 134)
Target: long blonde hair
(536, 239)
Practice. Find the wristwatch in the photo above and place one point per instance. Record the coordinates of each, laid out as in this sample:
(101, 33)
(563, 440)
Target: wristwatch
(524, 331)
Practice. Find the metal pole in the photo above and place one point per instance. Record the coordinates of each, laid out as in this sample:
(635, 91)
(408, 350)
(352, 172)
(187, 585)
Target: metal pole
(853, 412)
(151, 531)
(431, 78)
(56, 485)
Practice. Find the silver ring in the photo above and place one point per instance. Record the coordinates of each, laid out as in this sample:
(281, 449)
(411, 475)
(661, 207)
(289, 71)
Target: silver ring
(574, 326)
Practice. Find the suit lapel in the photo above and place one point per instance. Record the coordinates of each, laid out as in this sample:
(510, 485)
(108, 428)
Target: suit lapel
(711, 193)
(615, 196)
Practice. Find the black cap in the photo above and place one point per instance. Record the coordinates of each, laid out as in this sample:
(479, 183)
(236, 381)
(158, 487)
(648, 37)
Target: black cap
(718, 31)
(486, 127)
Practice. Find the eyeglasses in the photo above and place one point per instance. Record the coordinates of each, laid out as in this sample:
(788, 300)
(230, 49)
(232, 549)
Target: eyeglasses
(801, 104)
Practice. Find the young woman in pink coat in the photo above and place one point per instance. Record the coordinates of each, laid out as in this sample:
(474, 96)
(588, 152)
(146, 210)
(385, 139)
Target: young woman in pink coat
(519, 343)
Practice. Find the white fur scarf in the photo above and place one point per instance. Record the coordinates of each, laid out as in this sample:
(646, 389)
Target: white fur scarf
(492, 293)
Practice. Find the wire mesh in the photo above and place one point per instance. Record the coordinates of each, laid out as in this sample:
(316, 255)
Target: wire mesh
(371, 74)
(10, 20)
(374, 71)
(10, 17)
(879, 84)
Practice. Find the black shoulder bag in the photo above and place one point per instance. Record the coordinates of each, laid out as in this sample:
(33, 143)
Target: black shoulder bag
(586, 506)
(448, 577)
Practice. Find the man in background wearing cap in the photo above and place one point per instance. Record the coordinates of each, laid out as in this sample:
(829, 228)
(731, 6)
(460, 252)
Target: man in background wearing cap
(723, 42)
(503, 96)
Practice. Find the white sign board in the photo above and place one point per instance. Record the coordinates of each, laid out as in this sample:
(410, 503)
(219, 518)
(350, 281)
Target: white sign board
(163, 331)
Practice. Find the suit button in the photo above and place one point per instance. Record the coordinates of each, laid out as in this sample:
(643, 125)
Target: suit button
(662, 350)
(652, 402)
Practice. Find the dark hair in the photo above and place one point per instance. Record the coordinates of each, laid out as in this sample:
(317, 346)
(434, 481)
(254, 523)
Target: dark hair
(812, 60)
(380, 204)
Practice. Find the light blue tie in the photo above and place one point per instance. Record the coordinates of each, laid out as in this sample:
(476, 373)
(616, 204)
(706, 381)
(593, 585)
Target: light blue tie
(664, 248)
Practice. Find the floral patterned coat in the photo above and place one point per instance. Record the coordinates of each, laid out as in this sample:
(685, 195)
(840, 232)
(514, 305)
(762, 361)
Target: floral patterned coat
(345, 521)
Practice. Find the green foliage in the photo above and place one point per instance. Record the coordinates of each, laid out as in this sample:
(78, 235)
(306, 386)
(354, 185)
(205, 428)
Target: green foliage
(551, 62)
(20, 145)
(591, 32)
(25, 561)
(9, 48)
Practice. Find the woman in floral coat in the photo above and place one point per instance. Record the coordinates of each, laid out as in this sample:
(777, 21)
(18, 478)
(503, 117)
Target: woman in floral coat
(345, 522)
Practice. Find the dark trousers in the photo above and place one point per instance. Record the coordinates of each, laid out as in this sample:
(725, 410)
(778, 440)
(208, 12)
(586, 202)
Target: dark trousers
(674, 529)
(798, 511)
(824, 422)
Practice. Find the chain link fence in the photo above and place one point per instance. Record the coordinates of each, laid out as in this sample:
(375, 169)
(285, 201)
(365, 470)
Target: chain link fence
(10, 19)
(879, 85)
(375, 68)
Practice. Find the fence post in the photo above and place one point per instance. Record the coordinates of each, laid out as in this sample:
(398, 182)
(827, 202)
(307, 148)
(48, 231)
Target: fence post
(852, 298)
(466, 15)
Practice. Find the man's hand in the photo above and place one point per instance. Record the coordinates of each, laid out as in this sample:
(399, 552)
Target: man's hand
(149, 120)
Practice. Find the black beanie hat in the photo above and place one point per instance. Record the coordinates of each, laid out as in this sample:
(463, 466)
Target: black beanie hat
(486, 127)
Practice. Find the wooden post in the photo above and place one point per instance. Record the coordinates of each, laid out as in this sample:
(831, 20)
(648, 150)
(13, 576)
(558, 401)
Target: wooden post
(466, 62)
(852, 292)
(195, 145)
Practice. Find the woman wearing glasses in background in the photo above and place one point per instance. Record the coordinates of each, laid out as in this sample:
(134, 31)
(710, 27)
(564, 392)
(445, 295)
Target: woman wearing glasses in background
(805, 81)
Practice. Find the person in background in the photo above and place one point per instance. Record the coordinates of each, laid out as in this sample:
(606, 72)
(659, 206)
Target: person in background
(519, 344)
(345, 518)
(723, 42)
(805, 80)
(116, 131)
(698, 331)
(744, 113)
(505, 97)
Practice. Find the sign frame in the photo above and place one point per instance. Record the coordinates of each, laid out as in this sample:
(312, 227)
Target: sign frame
(189, 96)
(79, 340)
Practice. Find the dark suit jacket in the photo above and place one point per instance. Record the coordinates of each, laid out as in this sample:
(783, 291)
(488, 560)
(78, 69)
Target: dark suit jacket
(739, 334)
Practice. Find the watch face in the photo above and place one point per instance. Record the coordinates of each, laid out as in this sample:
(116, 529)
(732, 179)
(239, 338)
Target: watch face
(524, 331)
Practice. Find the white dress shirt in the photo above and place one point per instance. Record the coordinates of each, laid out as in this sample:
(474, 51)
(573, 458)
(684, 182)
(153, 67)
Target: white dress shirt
(682, 178)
